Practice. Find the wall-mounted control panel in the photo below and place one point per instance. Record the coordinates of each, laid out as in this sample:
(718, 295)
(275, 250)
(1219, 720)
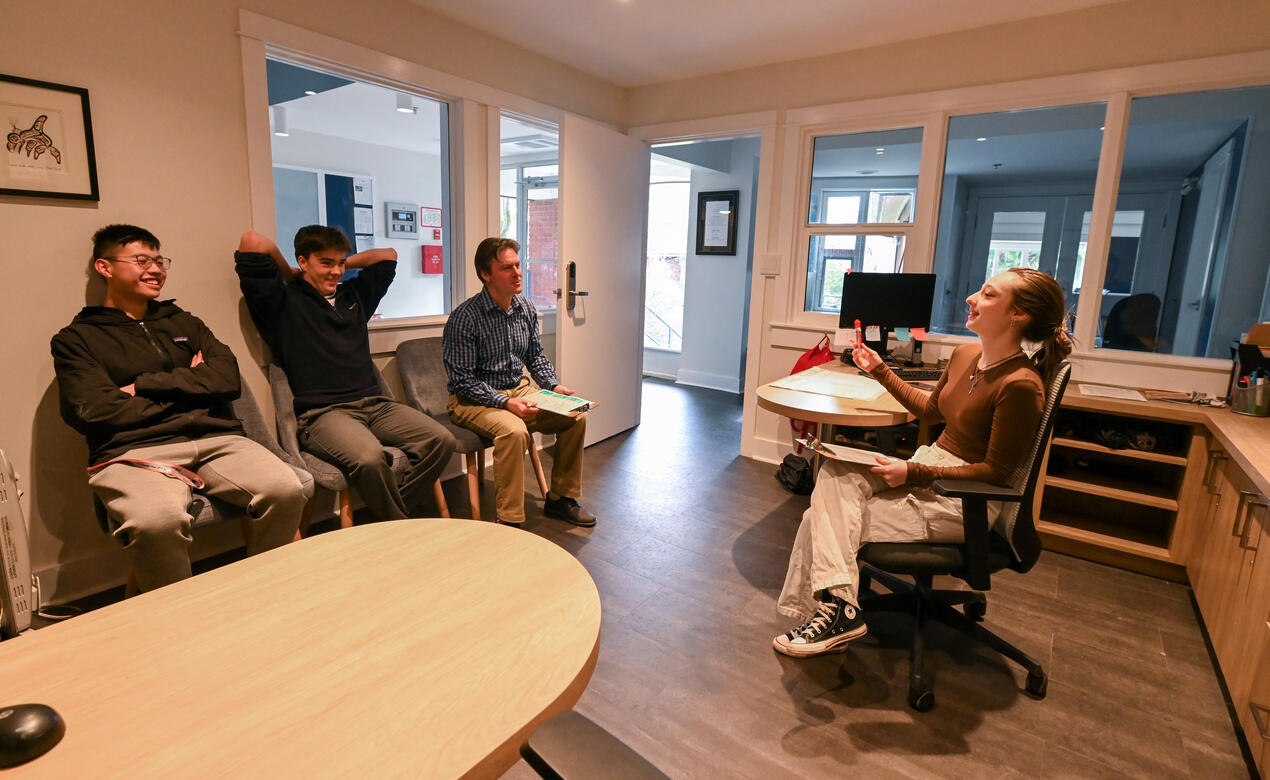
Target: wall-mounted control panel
(403, 220)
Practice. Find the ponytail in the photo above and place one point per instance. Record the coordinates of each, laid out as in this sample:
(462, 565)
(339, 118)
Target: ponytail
(1037, 295)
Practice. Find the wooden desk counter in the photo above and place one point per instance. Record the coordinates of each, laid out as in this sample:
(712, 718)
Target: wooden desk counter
(834, 410)
(416, 648)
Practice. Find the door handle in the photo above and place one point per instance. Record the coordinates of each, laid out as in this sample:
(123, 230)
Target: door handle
(570, 292)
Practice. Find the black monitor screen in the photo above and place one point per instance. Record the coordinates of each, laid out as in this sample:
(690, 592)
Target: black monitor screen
(887, 300)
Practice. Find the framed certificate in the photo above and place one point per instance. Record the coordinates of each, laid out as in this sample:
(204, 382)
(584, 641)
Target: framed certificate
(716, 222)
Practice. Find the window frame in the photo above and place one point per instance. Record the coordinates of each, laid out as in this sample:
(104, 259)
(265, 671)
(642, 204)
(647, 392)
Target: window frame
(1116, 88)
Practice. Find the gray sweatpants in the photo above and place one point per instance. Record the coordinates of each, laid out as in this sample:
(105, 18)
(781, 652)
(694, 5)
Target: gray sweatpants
(850, 507)
(150, 512)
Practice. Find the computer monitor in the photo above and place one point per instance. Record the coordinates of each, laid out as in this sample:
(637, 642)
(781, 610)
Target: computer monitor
(887, 301)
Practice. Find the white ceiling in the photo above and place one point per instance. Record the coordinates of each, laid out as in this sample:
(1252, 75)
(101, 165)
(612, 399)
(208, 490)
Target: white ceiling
(636, 42)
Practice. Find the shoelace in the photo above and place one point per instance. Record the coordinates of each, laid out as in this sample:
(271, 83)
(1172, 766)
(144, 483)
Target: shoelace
(824, 614)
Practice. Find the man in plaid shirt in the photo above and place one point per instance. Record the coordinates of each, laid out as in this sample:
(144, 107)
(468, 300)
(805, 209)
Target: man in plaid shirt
(489, 340)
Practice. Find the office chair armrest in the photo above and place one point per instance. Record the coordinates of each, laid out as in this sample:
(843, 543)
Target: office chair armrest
(968, 488)
(974, 503)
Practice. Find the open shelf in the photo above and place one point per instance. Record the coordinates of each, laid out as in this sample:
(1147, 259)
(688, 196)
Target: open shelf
(1115, 488)
(1145, 532)
(1089, 446)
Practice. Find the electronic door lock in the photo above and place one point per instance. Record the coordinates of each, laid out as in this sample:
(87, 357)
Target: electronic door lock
(571, 286)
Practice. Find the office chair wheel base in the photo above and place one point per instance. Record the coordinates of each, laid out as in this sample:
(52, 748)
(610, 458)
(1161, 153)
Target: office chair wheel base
(975, 610)
(1037, 684)
(920, 700)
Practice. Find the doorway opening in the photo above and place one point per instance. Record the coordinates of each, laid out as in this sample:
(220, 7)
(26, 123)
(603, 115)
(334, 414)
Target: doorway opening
(699, 261)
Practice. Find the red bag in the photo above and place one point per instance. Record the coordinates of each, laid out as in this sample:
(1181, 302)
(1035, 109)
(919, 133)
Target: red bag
(815, 356)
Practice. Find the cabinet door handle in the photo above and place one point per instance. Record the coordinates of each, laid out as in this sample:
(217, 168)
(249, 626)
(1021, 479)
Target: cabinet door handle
(1261, 714)
(1237, 528)
(1210, 477)
(1258, 501)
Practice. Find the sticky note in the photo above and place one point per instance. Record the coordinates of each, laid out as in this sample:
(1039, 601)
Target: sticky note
(902, 334)
(872, 333)
(844, 338)
(919, 333)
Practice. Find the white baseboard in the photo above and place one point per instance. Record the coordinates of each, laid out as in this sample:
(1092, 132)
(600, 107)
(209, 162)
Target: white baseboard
(660, 375)
(728, 384)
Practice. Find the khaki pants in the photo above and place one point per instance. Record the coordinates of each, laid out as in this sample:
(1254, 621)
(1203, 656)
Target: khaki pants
(511, 437)
(150, 512)
(850, 507)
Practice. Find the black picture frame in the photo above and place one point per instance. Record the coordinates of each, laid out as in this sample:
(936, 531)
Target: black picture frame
(711, 207)
(48, 150)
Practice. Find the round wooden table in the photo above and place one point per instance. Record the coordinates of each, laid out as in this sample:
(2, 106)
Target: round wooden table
(414, 648)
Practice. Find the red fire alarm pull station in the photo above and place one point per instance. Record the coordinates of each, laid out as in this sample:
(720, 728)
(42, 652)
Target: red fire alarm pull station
(432, 259)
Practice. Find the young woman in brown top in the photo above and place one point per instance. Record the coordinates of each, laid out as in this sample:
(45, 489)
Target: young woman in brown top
(990, 397)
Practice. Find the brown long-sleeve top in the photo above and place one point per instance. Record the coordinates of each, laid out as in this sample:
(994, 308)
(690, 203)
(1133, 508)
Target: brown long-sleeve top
(990, 426)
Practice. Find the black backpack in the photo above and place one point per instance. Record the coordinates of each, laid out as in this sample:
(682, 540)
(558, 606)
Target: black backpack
(795, 475)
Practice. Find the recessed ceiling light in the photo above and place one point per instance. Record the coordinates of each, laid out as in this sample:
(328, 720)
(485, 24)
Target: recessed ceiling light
(1104, 127)
(982, 138)
(881, 152)
(881, 148)
(309, 92)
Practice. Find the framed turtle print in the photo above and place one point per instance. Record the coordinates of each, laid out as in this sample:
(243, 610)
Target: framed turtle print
(48, 149)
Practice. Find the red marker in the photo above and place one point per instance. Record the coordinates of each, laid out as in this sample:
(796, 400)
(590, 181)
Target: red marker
(859, 337)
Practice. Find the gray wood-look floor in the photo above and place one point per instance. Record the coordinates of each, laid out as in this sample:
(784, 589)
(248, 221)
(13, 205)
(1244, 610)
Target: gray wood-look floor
(689, 554)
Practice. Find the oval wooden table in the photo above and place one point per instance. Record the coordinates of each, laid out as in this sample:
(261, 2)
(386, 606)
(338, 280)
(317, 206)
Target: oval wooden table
(879, 412)
(415, 648)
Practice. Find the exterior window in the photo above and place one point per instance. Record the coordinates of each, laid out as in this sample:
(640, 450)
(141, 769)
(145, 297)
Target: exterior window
(860, 208)
(669, 207)
(529, 204)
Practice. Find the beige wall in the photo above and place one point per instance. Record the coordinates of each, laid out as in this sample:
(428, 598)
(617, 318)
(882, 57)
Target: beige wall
(1111, 36)
(169, 124)
(165, 83)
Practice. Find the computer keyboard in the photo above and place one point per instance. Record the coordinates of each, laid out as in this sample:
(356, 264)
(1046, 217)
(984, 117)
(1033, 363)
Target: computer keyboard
(916, 374)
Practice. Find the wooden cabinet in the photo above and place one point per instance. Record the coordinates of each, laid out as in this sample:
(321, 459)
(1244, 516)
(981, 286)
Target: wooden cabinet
(1230, 573)
(1122, 504)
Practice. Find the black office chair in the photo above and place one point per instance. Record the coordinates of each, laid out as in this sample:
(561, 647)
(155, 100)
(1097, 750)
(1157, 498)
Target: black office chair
(423, 377)
(1131, 323)
(326, 475)
(1013, 543)
(571, 746)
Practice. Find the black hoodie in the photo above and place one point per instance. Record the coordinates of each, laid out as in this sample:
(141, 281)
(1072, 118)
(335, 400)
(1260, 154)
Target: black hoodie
(103, 350)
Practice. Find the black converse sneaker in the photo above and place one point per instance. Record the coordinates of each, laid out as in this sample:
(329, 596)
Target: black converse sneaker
(835, 624)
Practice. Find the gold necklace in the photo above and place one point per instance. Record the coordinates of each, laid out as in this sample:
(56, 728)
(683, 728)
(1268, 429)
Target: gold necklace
(978, 373)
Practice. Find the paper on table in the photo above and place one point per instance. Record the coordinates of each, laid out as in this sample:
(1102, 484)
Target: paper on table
(824, 381)
(838, 452)
(1105, 391)
(558, 403)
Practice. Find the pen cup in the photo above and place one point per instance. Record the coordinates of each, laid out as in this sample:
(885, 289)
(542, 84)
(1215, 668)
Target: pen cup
(1253, 400)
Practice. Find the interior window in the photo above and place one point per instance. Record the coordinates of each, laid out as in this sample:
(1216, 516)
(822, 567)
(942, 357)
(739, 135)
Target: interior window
(372, 161)
(1016, 186)
(1191, 281)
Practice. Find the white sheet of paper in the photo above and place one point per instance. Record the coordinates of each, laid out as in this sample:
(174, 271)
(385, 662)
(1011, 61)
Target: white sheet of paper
(362, 193)
(363, 221)
(1106, 391)
(824, 381)
(716, 232)
(847, 454)
(844, 338)
(363, 243)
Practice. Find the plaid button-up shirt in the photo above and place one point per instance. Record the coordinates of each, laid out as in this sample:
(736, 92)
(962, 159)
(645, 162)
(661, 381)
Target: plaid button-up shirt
(487, 349)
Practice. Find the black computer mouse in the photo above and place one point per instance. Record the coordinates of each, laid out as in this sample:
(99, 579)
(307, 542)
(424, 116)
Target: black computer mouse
(28, 731)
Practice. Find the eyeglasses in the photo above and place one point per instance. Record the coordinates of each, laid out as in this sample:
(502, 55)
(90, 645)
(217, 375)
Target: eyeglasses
(144, 262)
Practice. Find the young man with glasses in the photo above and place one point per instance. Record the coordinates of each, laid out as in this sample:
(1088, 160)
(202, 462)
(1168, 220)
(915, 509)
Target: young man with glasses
(149, 387)
(315, 325)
